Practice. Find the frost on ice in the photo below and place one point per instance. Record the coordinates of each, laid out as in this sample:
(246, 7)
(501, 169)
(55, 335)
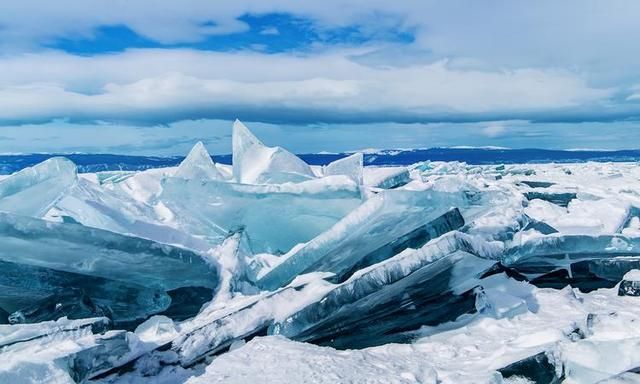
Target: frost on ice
(270, 270)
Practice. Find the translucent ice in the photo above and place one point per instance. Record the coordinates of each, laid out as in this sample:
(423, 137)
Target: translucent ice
(255, 163)
(32, 191)
(92, 205)
(240, 318)
(386, 177)
(430, 285)
(351, 166)
(198, 165)
(78, 249)
(11, 334)
(35, 294)
(379, 221)
(72, 303)
(127, 274)
(274, 217)
(585, 262)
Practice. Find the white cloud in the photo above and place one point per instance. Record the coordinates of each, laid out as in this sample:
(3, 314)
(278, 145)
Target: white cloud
(494, 130)
(169, 85)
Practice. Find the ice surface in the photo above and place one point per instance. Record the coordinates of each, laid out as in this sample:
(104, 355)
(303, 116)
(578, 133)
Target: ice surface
(32, 191)
(386, 177)
(587, 262)
(379, 221)
(94, 206)
(12, 334)
(128, 275)
(243, 317)
(430, 285)
(198, 165)
(78, 249)
(274, 217)
(534, 369)
(71, 303)
(459, 275)
(255, 163)
(29, 289)
(351, 166)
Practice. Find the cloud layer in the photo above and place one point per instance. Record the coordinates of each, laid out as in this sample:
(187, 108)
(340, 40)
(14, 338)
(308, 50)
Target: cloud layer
(339, 62)
(164, 86)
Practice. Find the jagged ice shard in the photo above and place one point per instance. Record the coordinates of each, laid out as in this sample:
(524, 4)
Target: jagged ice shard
(198, 165)
(32, 191)
(255, 163)
(430, 285)
(351, 166)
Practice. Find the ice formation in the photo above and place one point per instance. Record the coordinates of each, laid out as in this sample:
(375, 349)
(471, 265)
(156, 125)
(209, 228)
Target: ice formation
(351, 166)
(441, 272)
(32, 191)
(198, 165)
(255, 163)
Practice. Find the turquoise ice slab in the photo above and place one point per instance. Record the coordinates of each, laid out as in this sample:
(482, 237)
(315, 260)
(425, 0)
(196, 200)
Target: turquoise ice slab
(94, 252)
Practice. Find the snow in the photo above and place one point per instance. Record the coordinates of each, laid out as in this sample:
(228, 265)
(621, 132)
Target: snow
(632, 275)
(274, 271)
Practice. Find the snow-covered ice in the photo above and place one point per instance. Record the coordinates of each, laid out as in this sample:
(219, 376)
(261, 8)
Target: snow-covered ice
(273, 271)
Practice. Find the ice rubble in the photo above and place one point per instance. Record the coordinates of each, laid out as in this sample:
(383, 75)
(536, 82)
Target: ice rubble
(439, 272)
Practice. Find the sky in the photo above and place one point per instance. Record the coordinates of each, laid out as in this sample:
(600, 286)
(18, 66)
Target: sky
(149, 77)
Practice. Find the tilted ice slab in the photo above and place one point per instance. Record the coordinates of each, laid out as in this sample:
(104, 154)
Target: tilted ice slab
(430, 285)
(274, 217)
(19, 333)
(386, 177)
(242, 318)
(377, 222)
(245, 316)
(78, 249)
(32, 191)
(255, 163)
(587, 262)
(26, 288)
(198, 165)
(41, 257)
(351, 166)
(95, 206)
(586, 217)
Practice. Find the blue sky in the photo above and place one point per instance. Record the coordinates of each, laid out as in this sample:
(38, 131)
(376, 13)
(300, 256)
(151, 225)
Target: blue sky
(152, 77)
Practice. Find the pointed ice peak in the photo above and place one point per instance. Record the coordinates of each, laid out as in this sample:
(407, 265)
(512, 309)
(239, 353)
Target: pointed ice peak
(198, 165)
(351, 166)
(255, 163)
(32, 191)
(242, 136)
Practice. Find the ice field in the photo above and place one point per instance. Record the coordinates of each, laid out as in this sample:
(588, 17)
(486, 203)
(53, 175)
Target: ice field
(271, 270)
